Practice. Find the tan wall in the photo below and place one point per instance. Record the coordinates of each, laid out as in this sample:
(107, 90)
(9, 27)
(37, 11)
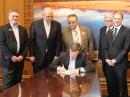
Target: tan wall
(23, 6)
(25, 9)
(1, 12)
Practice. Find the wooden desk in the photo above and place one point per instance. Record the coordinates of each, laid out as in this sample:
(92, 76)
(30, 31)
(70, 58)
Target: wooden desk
(51, 84)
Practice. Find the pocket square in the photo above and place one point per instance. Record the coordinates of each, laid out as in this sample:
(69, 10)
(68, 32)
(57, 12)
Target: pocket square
(10, 29)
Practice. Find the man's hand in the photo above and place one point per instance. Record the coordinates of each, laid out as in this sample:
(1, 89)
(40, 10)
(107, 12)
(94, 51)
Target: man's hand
(74, 71)
(55, 57)
(32, 58)
(111, 62)
(61, 68)
(14, 58)
(20, 58)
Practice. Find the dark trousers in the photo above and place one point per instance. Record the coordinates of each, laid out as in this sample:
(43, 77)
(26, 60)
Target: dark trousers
(47, 60)
(116, 81)
(12, 74)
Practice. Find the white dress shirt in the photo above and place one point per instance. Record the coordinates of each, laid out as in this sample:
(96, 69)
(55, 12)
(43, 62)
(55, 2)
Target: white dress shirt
(72, 66)
(47, 28)
(111, 28)
(16, 34)
(76, 35)
(118, 28)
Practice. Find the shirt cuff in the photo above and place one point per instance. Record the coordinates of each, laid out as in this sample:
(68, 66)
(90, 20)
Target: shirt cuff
(58, 68)
(82, 69)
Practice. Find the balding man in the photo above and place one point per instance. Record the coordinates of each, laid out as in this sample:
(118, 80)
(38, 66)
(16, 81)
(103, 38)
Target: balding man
(108, 20)
(108, 17)
(78, 33)
(14, 47)
(45, 40)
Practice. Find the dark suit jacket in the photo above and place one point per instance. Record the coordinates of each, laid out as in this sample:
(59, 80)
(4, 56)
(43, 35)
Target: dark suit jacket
(8, 44)
(119, 48)
(102, 42)
(64, 59)
(39, 42)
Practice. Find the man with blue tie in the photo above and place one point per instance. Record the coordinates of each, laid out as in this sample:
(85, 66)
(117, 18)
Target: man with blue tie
(116, 58)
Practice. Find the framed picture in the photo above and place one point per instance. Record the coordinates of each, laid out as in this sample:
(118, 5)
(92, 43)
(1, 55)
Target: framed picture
(89, 12)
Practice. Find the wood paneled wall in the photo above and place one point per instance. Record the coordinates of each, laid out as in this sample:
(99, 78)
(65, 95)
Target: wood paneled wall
(23, 6)
(1, 12)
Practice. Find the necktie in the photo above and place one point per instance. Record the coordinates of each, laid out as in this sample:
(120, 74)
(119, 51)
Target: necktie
(76, 36)
(114, 34)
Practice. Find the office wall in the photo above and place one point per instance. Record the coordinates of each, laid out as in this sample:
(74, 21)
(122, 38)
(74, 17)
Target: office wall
(1, 12)
(90, 13)
(24, 7)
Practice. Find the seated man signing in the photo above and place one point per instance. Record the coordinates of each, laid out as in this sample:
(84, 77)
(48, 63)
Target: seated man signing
(72, 61)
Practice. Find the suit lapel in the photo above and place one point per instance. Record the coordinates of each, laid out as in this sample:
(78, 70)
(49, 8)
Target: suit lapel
(67, 59)
(52, 29)
(81, 34)
(109, 37)
(20, 34)
(77, 62)
(70, 36)
(11, 33)
(43, 31)
(118, 34)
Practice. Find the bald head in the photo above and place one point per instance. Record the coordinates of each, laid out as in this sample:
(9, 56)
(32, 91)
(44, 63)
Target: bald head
(108, 19)
(47, 14)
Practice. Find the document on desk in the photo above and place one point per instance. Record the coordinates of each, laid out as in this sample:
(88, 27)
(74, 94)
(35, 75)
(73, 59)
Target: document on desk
(67, 72)
(72, 71)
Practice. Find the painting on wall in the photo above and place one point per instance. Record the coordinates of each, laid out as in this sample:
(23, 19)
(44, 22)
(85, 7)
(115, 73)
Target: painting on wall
(89, 12)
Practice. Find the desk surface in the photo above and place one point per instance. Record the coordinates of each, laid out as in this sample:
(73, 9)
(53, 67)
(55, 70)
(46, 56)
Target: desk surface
(51, 84)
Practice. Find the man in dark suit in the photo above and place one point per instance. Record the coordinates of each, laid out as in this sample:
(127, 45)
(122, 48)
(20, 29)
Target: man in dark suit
(108, 20)
(14, 47)
(72, 61)
(116, 58)
(108, 17)
(45, 40)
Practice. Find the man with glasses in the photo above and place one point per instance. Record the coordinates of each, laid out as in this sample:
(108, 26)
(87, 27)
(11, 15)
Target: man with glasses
(78, 33)
(45, 40)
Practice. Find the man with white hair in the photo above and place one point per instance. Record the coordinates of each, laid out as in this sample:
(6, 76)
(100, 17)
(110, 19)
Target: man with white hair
(45, 40)
(108, 17)
(108, 20)
(14, 47)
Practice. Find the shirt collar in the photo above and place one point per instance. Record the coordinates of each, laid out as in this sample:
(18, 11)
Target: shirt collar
(118, 27)
(111, 28)
(13, 25)
(45, 22)
(77, 28)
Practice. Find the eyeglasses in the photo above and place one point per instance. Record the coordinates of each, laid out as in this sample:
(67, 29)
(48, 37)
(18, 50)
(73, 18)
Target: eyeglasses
(73, 22)
(14, 16)
(108, 20)
(49, 16)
